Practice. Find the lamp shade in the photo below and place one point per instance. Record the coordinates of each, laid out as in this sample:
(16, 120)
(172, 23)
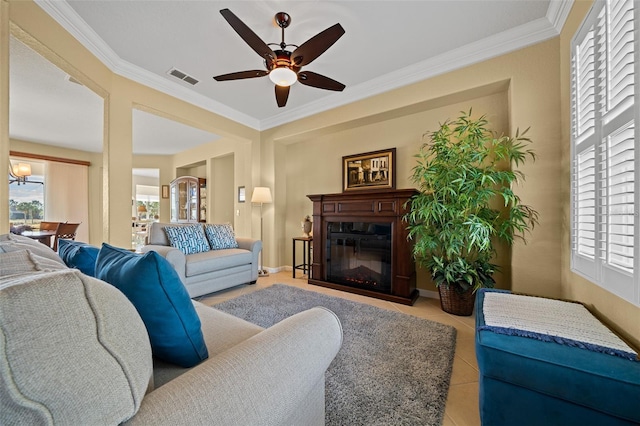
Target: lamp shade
(261, 195)
(22, 169)
(142, 208)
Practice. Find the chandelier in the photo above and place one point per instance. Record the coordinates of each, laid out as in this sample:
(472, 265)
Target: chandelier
(19, 172)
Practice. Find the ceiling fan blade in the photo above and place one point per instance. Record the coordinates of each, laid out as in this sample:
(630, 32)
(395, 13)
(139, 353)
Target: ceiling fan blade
(255, 42)
(240, 75)
(316, 45)
(313, 79)
(282, 94)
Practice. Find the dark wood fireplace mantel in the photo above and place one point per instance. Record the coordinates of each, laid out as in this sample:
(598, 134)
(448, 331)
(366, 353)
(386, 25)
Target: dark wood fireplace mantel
(385, 207)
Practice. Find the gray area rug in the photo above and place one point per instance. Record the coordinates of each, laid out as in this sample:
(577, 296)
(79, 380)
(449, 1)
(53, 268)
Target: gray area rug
(392, 369)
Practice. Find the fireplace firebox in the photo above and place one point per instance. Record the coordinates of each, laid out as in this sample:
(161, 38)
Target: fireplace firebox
(359, 255)
(360, 244)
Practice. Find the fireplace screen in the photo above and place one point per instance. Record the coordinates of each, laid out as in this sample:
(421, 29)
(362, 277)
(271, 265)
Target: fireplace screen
(359, 255)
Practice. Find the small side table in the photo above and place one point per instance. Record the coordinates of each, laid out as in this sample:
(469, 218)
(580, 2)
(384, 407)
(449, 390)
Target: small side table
(305, 266)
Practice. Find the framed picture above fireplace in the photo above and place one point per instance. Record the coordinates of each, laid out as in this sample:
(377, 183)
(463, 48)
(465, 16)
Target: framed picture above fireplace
(370, 170)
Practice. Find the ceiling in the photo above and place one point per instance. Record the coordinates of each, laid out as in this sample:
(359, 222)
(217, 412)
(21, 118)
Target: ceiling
(387, 44)
(70, 116)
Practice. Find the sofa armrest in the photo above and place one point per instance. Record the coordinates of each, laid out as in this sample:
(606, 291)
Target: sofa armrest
(175, 257)
(249, 244)
(262, 380)
(255, 246)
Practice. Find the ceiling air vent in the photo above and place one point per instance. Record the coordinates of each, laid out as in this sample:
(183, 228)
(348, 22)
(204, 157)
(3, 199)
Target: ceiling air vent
(182, 76)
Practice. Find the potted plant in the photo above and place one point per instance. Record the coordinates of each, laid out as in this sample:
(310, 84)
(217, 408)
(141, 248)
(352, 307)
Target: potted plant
(465, 205)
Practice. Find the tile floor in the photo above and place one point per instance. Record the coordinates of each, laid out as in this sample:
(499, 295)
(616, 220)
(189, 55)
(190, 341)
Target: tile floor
(462, 401)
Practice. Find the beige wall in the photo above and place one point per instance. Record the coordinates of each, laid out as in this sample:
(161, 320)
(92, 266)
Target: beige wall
(622, 315)
(314, 166)
(223, 198)
(4, 111)
(530, 79)
(237, 154)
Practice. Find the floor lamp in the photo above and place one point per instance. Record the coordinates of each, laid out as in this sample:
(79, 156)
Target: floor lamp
(261, 195)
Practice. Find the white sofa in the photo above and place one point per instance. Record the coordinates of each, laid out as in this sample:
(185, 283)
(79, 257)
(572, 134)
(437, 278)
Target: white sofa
(74, 351)
(210, 271)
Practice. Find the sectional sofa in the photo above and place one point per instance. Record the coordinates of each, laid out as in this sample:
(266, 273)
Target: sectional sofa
(77, 350)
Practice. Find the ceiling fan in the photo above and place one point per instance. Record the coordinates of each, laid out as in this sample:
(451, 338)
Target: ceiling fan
(284, 66)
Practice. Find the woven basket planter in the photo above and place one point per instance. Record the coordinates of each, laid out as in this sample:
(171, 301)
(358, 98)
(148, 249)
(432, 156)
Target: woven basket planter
(455, 301)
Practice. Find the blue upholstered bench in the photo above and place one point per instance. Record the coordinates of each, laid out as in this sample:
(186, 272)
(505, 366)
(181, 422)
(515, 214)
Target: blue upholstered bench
(532, 378)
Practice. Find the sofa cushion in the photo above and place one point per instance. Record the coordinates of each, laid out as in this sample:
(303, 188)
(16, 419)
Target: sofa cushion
(74, 351)
(79, 255)
(11, 242)
(550, 320)
(216, 260)
(155, 289)
(157, 236)
(188, 239)
(221, 331)
(24, 262)
(220, 236)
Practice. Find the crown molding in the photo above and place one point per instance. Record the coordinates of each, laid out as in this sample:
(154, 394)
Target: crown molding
(154, 81)
(558, 12)
(69, 19)
(481, 50)
(64, 15)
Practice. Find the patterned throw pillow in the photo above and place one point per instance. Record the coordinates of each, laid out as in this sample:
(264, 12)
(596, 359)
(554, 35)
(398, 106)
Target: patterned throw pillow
(220, 236)
(188, 239)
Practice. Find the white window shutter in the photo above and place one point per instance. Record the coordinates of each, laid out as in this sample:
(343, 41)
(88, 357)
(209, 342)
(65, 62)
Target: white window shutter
(620, 56)
(585, 202)
(620, 198)
(583, 76)
(605, 236)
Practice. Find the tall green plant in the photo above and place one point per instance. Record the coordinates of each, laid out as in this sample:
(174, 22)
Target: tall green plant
(463, 170)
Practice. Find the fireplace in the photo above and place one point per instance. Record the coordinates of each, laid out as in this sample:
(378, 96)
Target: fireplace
(359, 255)
(360, 244)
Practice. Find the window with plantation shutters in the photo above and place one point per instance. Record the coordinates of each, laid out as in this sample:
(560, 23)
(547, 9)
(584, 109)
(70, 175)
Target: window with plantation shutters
(604, 95)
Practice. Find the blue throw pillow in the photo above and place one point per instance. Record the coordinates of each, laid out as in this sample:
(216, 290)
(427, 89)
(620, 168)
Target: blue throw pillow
(187, 238)
(220, 236)
(79, 255)
(155, 289)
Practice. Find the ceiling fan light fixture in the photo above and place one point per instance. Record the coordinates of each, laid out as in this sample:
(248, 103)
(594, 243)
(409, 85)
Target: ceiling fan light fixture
(283, 76)
(282, 65)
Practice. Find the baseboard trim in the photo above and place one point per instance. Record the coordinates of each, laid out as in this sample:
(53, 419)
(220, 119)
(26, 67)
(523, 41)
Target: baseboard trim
(423, 293)
(429, 293)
